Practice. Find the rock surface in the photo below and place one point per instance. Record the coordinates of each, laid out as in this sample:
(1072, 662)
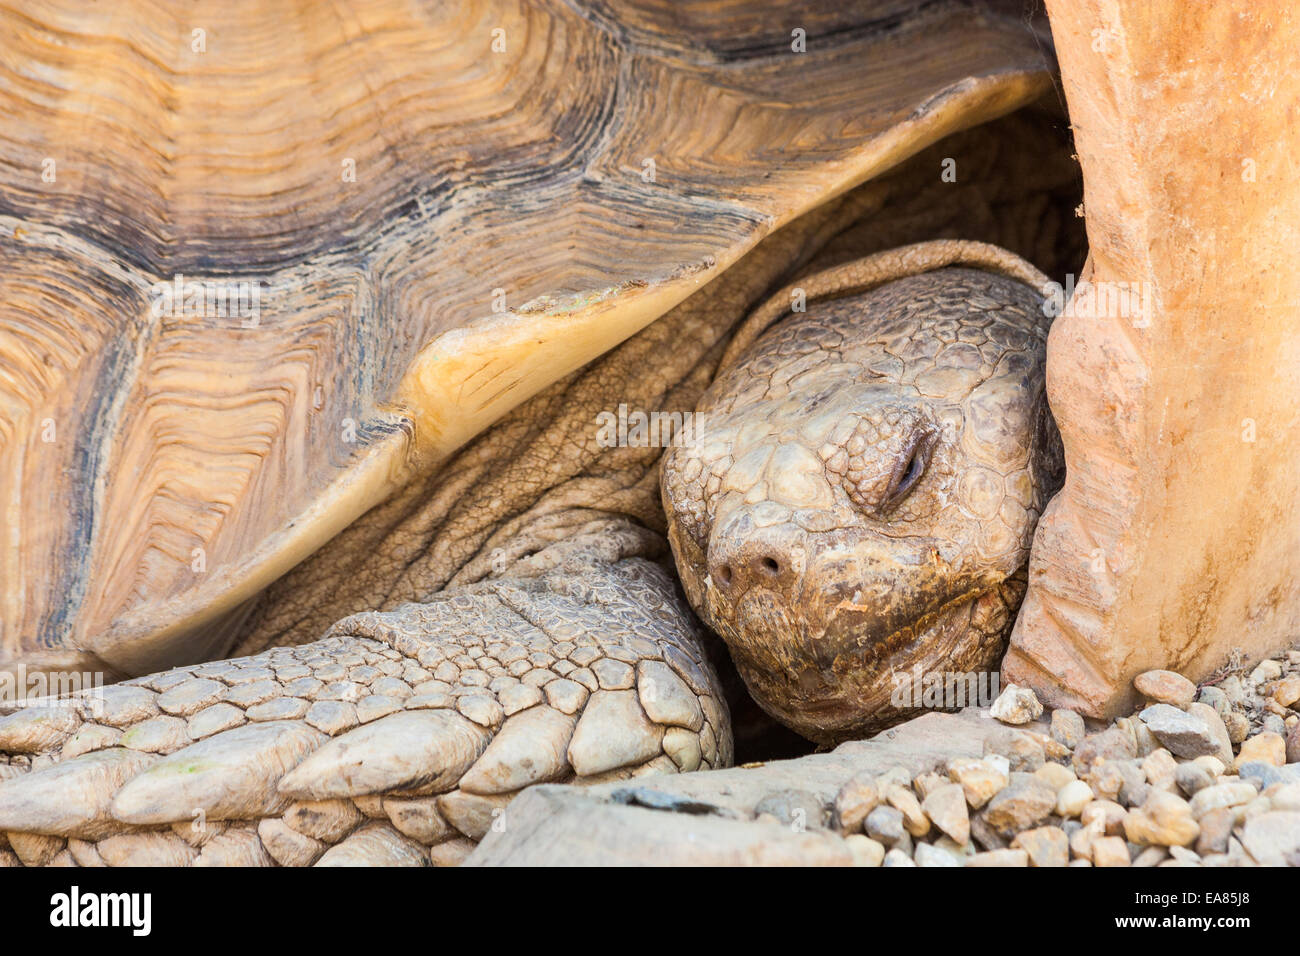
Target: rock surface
(958, 790)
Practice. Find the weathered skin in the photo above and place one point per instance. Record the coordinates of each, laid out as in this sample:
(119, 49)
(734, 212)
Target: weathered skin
(863, 498)
(513, 619)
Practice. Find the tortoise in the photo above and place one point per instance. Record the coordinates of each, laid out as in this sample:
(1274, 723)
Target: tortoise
(332, 442)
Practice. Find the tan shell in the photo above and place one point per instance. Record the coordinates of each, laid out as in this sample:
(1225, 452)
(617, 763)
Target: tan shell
(386, 174)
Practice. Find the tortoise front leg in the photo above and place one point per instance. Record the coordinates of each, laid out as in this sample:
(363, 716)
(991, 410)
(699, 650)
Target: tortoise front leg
(398, 738)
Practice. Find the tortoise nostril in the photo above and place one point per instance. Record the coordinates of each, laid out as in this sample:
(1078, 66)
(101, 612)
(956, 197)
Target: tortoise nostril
(737, 567)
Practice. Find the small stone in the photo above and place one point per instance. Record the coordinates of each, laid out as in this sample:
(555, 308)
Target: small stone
(1120, 780)
(1016, 705)
(1181, 732)
(963, 851)
(1046, 846)
(1144, 740)
(858, 797)
(1273, 723)
(1164, 820)
(1185, 856)
(998, 762)
(1216, 827)
(1285, 796)
(1134, 787)
(1000, 858)
(1192, 778)
(978, 778)
(866, 851)
(1293, 743)
(946, 808)
(1081, 837)
(1106, 812)
(885, 824)
(1266, 747)
(1072, 798)
(897, 858)
(1112, 744)
(1264, 775)
(1238, 726)
(1287, 691)
(797, 809)
(1055, 775)
(1273, 839)
(914, 819)
(1166, 687)
(1055, 751)
(1128, 727)
(1218, 730)
(1160, 768)
(1215, 698)
(984, 835)
(927, 783)
(928, 854)
(1067, 728)
(1265, 671)
(1151, 856)
(1110, 851)
(1232, 689)
(1023, 752)
(1220, 796)
(899, 776)
(1213, 764)
(1024, 803)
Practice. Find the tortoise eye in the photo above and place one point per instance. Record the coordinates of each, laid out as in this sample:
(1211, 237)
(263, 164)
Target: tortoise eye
(912, 464)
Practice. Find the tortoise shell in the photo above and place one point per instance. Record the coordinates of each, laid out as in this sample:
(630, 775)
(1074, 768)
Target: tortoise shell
(263, 263)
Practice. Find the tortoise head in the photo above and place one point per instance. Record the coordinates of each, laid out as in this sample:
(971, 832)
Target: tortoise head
(859, 505)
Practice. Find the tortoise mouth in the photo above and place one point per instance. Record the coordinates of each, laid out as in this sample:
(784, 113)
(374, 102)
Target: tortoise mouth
(844, 681)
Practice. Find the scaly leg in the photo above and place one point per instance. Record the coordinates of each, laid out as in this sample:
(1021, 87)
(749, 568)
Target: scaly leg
(398, 738)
